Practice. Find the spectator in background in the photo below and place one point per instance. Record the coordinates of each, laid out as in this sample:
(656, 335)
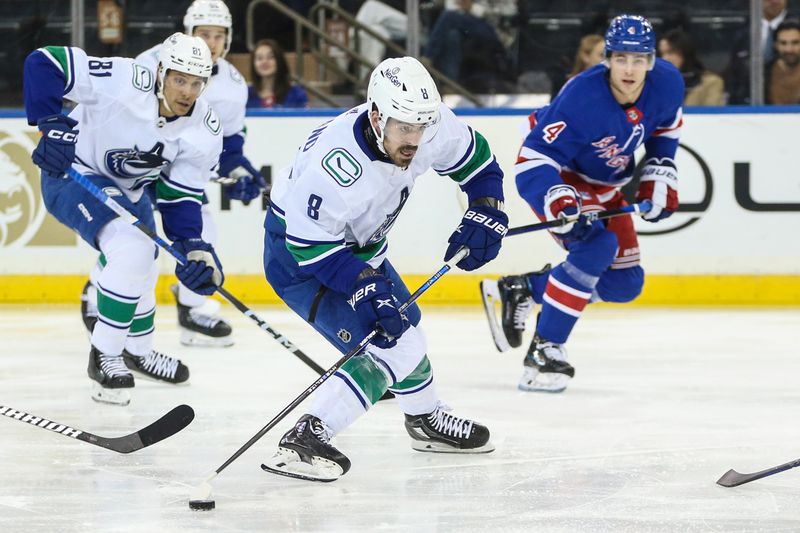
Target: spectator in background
(737, 75)
(271, 86)
(386, 19)
(782, 77)
(703, 87)
(590, 53)
(466, 48)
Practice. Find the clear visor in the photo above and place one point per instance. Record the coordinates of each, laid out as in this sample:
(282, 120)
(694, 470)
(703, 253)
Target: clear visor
(185, 82)
(631, 60)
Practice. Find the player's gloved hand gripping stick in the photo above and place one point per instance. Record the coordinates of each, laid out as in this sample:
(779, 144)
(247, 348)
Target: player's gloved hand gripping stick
(125, 215)
(638, 209)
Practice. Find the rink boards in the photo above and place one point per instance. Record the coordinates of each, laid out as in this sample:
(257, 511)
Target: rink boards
(735, 241)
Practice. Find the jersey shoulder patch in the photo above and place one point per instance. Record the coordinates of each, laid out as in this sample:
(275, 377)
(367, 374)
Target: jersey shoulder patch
(143, 78)
(550, 132)
(235, 75)
(212, 122)
(342, 167)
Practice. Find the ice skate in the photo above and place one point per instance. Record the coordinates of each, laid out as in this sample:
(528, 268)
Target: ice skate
(545, 367)
(200, 326)
(305, 452)
(111, 378)
(89, 306)
(156, 365)
(441, 431)
(516, 305)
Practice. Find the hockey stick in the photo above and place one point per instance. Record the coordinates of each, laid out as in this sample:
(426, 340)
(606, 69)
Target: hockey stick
(641, 207)
(163, 428)
(200, 498)
(128, 217)
(732, 478)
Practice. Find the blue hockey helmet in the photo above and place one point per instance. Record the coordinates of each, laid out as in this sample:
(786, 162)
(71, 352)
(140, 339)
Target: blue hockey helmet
(630, 33)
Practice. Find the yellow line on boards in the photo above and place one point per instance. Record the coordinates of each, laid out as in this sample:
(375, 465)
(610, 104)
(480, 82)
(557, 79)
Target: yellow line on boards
(450, 290)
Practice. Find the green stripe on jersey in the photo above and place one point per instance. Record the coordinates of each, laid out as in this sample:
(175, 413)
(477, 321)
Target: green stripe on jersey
(304, 254)
(59, 53)
(480, 157)
(171, 194)
(368, 252)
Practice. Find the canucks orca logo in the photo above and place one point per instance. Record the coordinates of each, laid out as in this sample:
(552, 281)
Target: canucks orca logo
(135, 164)
(387, 224)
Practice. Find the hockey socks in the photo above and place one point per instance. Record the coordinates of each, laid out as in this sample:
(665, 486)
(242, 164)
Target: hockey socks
(563, 301)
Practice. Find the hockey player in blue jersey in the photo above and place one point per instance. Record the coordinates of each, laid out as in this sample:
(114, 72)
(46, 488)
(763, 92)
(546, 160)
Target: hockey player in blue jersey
(325, 255)
(577, 156)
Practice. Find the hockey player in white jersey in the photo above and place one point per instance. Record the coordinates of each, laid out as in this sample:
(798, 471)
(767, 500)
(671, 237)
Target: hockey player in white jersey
(131, 127)
(198, 316)
(325, 252)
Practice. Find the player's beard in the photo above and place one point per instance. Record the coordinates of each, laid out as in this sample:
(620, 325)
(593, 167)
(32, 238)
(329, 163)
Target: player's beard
(401, 160)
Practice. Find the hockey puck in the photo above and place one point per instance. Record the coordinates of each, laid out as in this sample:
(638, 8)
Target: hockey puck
(201, 505)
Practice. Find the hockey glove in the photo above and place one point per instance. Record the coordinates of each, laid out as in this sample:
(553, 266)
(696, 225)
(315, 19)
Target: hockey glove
(56, 149)
(481, 231)
(376, 308)
(202, 272)
(659, 184)
(247, 182)
(561, 202)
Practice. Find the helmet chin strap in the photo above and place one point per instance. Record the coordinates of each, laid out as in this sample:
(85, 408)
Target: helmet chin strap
(162, 73)
(379, 136)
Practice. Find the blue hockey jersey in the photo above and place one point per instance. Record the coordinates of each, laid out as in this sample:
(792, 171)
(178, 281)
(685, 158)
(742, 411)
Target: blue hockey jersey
(585, 132)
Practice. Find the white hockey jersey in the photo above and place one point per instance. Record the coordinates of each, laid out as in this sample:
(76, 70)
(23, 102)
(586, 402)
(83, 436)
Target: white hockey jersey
(339, 194)
(120, 135)
(226, 91)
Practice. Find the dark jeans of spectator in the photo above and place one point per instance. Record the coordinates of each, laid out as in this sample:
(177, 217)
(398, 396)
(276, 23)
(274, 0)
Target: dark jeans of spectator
(458, 37)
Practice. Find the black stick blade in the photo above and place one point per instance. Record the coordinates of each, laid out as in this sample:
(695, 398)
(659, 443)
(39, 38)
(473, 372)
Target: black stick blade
(161, 429)
(732, 478)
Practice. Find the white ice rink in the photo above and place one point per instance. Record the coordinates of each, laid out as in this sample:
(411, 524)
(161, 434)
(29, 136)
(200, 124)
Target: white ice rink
(663, 403)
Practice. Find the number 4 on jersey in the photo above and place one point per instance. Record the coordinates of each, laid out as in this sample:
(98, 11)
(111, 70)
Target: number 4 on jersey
(552, 131)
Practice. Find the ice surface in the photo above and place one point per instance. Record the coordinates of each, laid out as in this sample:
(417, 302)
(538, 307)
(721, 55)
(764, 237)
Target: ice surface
(663, 403)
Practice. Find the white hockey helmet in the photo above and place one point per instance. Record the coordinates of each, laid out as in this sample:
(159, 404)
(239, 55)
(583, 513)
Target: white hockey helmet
(209, 13)
(401, 88)
(186, 54)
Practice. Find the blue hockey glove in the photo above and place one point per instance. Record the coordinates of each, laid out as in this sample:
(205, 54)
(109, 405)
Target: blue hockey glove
(56, 149)
(562, 201)
(376, 308)
(202, 272)
(481, 230)
(242, 181)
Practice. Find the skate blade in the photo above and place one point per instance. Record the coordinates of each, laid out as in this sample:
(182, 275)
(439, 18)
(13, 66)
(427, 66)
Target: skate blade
(490, 295)
(198, 340)
(440, 447)
(535, 381)
(288, 463)
(120, 397)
